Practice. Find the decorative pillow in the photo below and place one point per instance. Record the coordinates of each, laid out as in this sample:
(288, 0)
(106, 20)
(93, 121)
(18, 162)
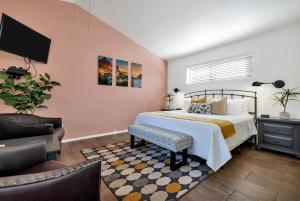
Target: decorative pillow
(200, 108)
(238, 106)
(195, 99)
(219, 107)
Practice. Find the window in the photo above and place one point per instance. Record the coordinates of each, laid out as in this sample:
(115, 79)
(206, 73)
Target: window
(225, 69)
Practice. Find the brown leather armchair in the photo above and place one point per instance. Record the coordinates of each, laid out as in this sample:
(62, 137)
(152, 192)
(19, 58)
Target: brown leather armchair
(27, 125)
(25, 175)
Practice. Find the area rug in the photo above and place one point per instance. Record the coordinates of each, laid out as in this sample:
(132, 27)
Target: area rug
(144, 173)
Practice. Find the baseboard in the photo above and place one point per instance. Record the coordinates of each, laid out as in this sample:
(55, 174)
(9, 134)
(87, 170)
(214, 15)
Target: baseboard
(94, 136)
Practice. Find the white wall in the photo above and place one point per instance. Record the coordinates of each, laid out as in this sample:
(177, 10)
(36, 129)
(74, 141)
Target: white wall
(277, 56)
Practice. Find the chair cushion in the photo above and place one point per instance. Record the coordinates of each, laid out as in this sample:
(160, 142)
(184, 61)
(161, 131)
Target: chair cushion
(17, 158)
(170, 140)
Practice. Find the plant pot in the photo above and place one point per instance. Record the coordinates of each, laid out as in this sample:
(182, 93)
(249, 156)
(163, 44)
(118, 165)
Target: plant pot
(284, 115)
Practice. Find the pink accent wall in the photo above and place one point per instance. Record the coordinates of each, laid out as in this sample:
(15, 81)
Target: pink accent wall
(86, 107)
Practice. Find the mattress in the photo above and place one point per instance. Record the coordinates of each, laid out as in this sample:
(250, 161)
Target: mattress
(208, 140)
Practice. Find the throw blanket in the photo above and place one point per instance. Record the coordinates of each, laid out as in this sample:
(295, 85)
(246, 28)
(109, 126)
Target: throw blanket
(227, 127)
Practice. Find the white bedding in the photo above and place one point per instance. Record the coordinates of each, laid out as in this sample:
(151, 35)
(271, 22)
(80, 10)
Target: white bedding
(208, 140)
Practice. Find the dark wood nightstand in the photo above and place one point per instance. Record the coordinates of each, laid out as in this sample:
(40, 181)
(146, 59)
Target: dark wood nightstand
(166, 109)
(279, 135)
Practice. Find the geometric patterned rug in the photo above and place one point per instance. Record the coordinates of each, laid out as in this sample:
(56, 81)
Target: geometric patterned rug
(144, 173)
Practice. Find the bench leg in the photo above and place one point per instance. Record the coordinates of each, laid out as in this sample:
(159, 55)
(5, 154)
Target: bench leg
(173, 165)
(184, 156)
(173, 161)
(132, 142)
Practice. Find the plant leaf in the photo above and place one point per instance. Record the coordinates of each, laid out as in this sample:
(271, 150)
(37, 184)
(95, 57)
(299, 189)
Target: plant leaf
(47, 76)
(28, 77)
(3, 75)
(28, 94)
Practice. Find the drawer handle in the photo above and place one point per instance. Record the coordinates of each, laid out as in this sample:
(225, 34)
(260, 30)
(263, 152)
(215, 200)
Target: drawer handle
(276, 141)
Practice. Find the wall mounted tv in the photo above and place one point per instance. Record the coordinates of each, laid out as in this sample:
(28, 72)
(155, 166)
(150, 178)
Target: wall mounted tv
(16, 38)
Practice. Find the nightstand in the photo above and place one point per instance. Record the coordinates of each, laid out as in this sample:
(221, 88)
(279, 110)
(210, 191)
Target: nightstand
(166, 109)
(279, 135)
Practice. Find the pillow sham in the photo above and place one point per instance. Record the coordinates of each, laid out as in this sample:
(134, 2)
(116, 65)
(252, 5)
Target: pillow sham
(200, 108)
(219, 107)
(238, 106)
(213, 99)
(186, 104)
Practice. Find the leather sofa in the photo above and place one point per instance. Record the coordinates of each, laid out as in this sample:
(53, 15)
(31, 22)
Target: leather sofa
(25, 175)
(27, 125)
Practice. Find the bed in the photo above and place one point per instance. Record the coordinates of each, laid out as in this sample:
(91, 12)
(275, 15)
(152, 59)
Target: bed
(208, 140)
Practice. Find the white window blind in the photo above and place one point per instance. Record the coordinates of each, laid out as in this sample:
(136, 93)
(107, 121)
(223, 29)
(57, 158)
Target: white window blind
(225, 69)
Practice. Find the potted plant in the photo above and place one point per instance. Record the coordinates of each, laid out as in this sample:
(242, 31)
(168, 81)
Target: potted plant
(170, 98)
(28, 95)
(283, 97)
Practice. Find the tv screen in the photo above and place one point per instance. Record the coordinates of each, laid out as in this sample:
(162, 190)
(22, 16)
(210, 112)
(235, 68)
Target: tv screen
(16, 38)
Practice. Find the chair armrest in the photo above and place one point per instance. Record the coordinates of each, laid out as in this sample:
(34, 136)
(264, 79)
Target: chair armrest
(56, 122)
(11, 129)
(78, 182)
(14, 159)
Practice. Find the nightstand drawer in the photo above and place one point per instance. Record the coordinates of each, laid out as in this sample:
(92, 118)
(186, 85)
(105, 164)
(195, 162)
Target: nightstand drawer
(278, 129)
(280, 141)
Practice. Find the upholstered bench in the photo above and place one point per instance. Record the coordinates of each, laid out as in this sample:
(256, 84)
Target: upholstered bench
(173, 141)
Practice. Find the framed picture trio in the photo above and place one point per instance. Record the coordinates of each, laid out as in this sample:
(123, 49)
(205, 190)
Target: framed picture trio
(105, 72)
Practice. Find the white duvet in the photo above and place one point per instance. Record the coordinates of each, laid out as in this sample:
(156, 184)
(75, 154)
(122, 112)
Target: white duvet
(208, 140)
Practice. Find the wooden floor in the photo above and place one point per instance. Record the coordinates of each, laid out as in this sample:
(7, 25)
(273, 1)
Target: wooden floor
(252, 175)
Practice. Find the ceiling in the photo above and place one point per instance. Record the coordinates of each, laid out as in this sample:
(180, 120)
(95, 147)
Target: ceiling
(175, 28)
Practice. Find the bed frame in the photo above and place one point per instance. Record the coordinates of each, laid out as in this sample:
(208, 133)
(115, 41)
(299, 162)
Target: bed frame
(230, 93)
(227, 93)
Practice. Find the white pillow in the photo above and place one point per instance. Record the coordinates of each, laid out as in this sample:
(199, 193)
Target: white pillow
(186, 104)
(211, 99)
(238, 106)
(178, 100)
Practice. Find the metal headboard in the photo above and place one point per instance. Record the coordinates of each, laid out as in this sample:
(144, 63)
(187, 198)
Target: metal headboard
(227, 93)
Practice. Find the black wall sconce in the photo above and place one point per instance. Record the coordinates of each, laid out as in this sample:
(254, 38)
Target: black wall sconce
(277, 83)
(176, 90)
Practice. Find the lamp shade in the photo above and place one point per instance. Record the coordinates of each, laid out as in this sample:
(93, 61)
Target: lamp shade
(279, 84)
(176, 90)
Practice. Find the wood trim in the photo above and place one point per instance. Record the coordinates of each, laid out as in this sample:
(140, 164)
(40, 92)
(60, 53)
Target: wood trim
(94, 136)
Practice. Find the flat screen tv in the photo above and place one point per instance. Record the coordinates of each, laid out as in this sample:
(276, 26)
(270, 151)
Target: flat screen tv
(16, 38)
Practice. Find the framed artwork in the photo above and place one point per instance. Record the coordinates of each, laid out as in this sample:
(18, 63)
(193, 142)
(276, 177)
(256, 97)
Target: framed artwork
(104, 70)
(136, 75)
(122, 73)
